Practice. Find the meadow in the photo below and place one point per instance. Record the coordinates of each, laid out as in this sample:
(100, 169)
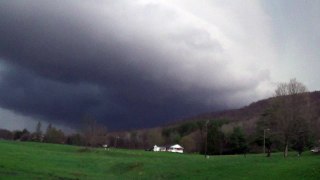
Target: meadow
(28, 160)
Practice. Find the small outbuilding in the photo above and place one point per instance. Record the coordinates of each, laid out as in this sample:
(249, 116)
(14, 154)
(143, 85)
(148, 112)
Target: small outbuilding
(156, 148)
(159, 148)
(105, 146)
(315, 150)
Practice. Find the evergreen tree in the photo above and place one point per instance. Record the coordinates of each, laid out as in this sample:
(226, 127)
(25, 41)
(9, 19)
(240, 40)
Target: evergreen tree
(37, 136)
(238, 141)
(216, 138)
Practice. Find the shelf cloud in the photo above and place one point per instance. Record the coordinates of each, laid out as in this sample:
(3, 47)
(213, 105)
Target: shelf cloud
(133, 64)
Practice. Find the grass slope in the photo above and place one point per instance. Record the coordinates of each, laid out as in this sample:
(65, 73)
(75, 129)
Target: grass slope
(26, 160)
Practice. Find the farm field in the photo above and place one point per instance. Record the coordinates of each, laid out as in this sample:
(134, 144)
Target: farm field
(27, 160)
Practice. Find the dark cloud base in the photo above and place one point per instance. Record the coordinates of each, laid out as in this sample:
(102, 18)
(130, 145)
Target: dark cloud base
(33, 95)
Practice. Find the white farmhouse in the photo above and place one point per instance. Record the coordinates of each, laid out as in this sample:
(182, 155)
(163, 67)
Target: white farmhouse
(176, 148)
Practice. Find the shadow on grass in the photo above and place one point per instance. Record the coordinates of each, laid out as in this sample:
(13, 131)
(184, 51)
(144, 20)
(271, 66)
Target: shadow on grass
(122, 168)
(84, 150)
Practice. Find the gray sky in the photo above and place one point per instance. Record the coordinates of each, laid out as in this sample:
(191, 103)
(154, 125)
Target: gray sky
(143, 63)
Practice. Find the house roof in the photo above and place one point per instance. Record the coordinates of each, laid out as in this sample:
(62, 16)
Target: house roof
(176, 146)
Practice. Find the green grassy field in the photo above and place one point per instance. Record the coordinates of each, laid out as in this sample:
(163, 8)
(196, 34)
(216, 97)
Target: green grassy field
(26, 160)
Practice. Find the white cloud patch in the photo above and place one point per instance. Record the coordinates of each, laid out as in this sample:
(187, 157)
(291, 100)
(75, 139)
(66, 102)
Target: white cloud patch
(208, 44)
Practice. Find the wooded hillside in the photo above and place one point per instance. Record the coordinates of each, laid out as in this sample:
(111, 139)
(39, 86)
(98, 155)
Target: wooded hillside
(223, 128)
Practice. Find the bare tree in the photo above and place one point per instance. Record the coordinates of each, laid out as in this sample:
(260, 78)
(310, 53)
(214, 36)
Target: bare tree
(290, 110)
(94, 133)
(54, 135)
(37, 135)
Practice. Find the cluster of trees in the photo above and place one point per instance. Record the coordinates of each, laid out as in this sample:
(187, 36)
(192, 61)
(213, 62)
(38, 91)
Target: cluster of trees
(142, 139)
(290, 121)
(221, 143)
(52, 135)
(92, 135)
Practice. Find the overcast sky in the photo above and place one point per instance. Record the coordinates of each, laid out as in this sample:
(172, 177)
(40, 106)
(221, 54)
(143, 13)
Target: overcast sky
(143, 63)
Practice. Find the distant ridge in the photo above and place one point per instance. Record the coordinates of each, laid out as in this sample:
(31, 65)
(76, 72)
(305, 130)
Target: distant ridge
(249, 113)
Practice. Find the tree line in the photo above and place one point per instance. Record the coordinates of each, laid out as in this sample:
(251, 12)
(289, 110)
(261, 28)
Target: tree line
(288, 123)
(91, 135)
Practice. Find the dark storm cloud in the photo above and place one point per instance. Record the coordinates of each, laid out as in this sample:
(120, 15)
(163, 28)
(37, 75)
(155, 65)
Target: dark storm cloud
(124, 64)
(52, 100)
